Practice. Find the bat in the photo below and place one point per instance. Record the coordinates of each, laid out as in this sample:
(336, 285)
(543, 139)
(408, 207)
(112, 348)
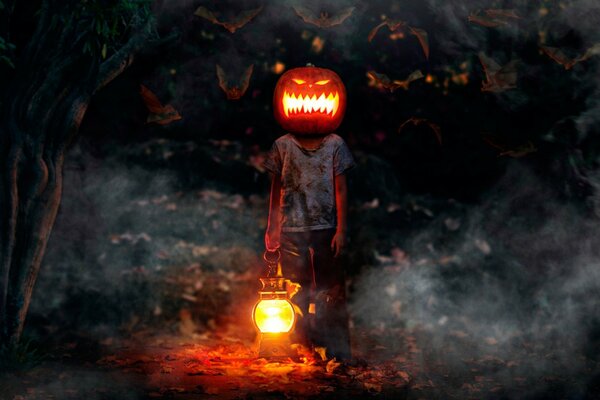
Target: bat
(392, 24)
(382, 80)
(498, 79)
(560, 57)
(419, 121)
(395, 25)
(486, 22)
(323, 20)
(236, 23)
(237, 91)
(423, 39)
(159, 114)
(505, 150)
(502, 13)
(493, 17)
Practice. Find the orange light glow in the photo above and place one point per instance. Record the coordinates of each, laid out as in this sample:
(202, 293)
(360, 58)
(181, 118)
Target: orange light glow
(278, 68)
(274, 316)
(397, 35)
(317, 45)
(293, 104)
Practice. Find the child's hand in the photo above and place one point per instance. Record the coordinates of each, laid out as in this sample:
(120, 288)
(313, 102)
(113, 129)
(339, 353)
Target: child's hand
(272, 240)
(338, 243)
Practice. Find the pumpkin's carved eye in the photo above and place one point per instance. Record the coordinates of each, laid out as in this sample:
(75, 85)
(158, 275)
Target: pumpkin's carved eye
(299, 81)
(324, 82)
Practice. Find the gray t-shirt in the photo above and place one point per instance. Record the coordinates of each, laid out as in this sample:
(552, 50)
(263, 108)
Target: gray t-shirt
(308, 180)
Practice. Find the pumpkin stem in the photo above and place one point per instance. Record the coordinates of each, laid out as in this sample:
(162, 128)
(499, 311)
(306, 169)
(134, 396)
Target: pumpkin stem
(310, 64)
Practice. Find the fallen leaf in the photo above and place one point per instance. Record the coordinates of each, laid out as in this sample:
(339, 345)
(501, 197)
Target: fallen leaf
(491, 341)
(321, 351)
(373, 387)
(332, 365)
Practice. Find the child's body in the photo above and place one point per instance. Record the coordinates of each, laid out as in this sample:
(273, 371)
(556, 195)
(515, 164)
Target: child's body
(307, 221)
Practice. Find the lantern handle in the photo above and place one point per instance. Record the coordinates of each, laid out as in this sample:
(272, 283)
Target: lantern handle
(272, 262)
(268, 260)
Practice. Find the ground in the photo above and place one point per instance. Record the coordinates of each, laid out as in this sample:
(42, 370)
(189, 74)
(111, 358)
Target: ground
(222, 364)
(147, 291)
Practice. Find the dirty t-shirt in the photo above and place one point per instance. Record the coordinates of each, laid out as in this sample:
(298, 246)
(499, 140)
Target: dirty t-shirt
(307, 181)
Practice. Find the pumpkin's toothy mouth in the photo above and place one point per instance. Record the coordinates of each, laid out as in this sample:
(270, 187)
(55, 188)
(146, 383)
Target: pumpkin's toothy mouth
(293, 104)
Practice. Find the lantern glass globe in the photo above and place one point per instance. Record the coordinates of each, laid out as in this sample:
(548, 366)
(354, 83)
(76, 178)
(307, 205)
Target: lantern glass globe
(274, 316)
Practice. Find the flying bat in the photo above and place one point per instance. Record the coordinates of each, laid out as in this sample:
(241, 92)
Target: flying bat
(392, 24)
(487, 22)
(237, 91)
(385, 82)
(395, 25)
(493, 18)
(505, 150)
(323, 20)
(502, 13)
(236, 23)
(560, 57)
(159, 114)
(419, 121)
(498, 79)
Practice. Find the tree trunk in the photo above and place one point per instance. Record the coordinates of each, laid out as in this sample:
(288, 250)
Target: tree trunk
(30, 192)
(41, 114)
(36, 186)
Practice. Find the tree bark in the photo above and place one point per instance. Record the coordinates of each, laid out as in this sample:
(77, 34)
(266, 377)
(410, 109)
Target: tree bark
(30, 193)
(40, 117)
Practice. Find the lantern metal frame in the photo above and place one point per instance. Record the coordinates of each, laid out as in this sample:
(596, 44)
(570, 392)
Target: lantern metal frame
(274, 287)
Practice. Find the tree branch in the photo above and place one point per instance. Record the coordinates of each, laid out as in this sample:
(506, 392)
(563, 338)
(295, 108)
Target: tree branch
(143, 40)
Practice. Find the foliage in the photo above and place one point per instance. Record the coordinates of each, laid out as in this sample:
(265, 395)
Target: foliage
(104, 23)
(6, 47)
(20, 356)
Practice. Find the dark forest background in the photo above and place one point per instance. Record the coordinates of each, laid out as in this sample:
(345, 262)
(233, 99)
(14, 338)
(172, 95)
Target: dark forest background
(160, 225)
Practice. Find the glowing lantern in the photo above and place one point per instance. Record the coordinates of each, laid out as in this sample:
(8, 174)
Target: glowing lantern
(274, 314)
(309, 100)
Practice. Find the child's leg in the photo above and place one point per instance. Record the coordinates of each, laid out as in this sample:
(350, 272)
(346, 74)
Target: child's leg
(295, 262)
(331, 311)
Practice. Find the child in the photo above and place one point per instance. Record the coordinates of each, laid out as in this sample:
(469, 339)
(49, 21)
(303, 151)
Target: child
(307, 222)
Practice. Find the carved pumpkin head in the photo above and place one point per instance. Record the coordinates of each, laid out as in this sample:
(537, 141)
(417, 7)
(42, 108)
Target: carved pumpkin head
(309, 100)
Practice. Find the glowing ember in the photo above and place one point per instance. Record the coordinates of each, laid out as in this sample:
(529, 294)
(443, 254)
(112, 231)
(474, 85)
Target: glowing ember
(274, 316)
(323, 104)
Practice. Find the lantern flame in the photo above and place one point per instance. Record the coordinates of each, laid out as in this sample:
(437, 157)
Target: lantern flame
(274, 316)
(308, 105)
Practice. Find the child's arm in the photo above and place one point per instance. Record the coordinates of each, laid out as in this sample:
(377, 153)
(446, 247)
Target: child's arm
(341, 203)
(273, 226)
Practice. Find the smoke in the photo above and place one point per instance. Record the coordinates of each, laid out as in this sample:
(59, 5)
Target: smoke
(161, 226)
(517, 276)
(135, 245)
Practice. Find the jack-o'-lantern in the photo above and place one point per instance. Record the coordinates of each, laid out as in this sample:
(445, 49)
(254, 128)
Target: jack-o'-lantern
(309, 100)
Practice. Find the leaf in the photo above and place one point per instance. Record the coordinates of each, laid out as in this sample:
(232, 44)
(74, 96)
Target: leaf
(211, 390)
(292, 288)
(166, 369)
(332, 366)
(491, 341)
(322, 351)
(404, 375)
(483, 246)
(104, 49)
(373, 387)
(8, 61)
(298, 310)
